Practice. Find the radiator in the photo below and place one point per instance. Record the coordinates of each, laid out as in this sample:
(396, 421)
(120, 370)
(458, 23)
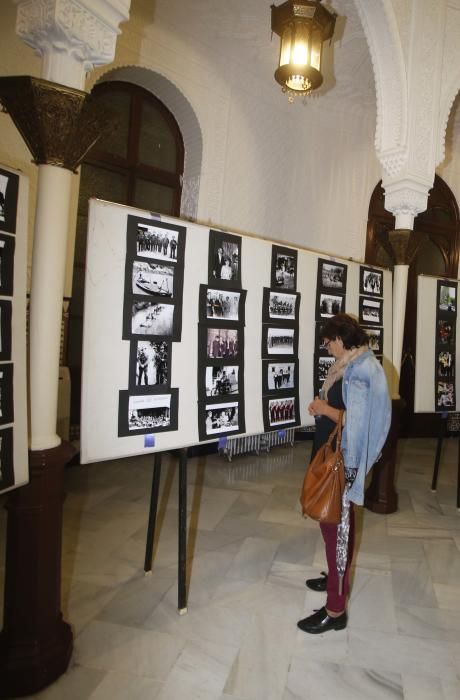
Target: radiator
(254, 443)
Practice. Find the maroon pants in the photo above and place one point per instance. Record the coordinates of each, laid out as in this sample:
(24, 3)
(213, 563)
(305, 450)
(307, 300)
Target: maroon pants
(337, 602)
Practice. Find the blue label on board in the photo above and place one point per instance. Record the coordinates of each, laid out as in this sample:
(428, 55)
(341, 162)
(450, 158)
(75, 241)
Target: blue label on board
(282, 434)
(149, 440)
(222, 443)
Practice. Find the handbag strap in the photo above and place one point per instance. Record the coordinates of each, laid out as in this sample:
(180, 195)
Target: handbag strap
(337, 431)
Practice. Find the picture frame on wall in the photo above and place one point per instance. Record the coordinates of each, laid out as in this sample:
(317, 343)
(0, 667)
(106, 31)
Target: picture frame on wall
(222, 305)
(445, 363)
(7, 244)
(5, 329)
(142, 412)
(279, 341)
(9, 188)
(284, 268)
(445, 395)
(221, 381)
(220, 343)
(332, 276)
(278, 375)
(445, 332)
(221, 418)
(150, 363)
(370, 311)
(370, 281)
(375, 339)
(150, 318)
(6, 394)
(447, 298)
(6, 458)
(281, 411)
(280, 307)
(224, 261)
(158, 241)
(320, 348)
(151, 279)
(329, 304)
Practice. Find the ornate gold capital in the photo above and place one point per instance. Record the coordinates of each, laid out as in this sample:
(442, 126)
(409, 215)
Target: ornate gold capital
(59, 124)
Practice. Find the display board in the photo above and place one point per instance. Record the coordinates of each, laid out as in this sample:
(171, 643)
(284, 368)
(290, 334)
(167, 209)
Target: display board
(13, 276)
(193, 334)
(436, 372)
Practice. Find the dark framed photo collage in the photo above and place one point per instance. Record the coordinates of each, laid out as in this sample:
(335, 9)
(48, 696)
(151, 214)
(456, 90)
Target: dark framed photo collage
(222, 304)
(371, 307)
(280, 339)
(9, 190)
(152, 321)
(331, 289)
(446, 324)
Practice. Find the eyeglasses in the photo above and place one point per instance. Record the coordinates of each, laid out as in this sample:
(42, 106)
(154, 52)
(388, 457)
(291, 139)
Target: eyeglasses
(327, 343)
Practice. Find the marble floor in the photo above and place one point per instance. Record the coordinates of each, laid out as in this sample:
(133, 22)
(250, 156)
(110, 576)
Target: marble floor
(249, 553)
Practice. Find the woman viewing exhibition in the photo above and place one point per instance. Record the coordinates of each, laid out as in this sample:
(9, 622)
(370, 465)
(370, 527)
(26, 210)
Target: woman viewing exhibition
(357, 384)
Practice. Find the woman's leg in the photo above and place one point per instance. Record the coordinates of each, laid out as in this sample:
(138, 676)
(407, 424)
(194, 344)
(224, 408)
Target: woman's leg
(336, 602)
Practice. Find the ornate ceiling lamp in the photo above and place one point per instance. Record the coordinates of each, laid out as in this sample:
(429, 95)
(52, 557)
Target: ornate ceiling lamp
(303, 26)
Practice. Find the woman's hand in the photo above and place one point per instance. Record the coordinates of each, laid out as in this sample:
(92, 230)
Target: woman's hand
(318, 407)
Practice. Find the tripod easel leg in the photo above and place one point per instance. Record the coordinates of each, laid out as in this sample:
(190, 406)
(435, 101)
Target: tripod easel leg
(152, 513)
(182, 573)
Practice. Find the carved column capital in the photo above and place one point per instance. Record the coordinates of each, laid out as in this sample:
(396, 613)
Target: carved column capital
(59, 124)
(406, 198)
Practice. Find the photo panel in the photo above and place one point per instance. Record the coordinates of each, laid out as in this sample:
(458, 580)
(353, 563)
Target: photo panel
(220, 381)
(370, 311)
(150, 364)
(150, 318)
(222, 305)
(279, 341)
(445, 332)
(9, 187)
(281, 412)
(370, 281)
(5, 329)
(279, 376)
(445, 396)
(141, 413)
(329, 304)
(219, 343)
(154, 240)
(320, 348)
(216, 420)
(150, 279)
(7, 244)
(332, 276)
(6, 458)
(375, 339)
(224, 261)
(6, 394)
(280, 307)
(446, 299)
(445, 363)
(284, 268)
(322, 365)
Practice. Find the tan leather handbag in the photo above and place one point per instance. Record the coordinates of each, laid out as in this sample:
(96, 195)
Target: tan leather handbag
(324, 481)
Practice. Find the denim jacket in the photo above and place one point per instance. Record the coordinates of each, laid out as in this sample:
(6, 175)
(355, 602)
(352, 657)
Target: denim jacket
(368, 418)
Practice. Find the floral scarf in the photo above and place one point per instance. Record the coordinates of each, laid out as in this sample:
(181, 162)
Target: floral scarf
(337, 369)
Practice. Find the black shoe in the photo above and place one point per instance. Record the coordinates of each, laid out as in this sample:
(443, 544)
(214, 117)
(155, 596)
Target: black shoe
(320, 622)
(317, 584)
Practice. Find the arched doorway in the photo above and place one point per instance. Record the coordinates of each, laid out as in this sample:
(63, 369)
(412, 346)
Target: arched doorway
(436, 239)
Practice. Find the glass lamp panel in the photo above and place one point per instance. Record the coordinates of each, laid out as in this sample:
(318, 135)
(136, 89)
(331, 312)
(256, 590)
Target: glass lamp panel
(153, 197)
(316, 46)
(116, 142)
(285, 47)
(300, 54)
(157, 145)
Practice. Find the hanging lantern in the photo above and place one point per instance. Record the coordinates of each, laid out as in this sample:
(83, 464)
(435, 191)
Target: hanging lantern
(303, 26)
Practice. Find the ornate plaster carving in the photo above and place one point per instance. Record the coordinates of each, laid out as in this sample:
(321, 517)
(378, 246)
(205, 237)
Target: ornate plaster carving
(189, 199)
(405, 199)
(450, 84)
(85, 29)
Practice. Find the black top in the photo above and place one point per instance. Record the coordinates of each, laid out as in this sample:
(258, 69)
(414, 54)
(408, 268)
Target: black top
(324, 425)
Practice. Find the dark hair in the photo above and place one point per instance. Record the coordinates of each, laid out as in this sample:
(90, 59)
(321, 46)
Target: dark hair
(347, 328)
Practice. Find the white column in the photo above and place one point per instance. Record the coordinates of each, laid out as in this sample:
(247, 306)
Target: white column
(400, 275)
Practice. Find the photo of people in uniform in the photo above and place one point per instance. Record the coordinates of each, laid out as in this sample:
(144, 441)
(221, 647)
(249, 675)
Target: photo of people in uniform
(447, 298)
(222, 380)
(281, 411)
(285, 270)
(153, 279)
(330, 304)
(150, 318)
(445, 364)
(155, 242)
(370, 310)
(152, 363)
(282, 306)
(222, 342)
(445, 395)
(280, 341)
(149, 411)
(222, 304)
(281, 375)
(324, 364)
(371, 282)
(332, 275)
(221, 418)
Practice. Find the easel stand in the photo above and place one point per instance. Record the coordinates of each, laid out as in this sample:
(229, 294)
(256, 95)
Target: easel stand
(182, 525)
(449, 425)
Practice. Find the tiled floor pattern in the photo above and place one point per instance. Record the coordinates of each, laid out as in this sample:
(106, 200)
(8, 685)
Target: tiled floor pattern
(249, 553)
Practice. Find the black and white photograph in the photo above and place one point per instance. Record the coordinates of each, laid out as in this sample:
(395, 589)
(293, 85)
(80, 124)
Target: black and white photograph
(221, 418)
(224, 305)
(9, 186)
(447, 298)
(323, 366)
(222, 343)
(282, 411)
(6, 458)
(320, 347)
(330, 304)
(152, 318)
(224, 263)
(149, 411)
(6, 394)
(370, 311)
(221, 380)
(7, 244)
(375, 339)
(284, 268)
(157, 243)
(280, 306)
(445, 334)
(150, 363)
(280, 375)
(370, 281)
(5, 329)
(153, 279)
(445, 365)
(279, 341)
(332, 276)
(445, 396)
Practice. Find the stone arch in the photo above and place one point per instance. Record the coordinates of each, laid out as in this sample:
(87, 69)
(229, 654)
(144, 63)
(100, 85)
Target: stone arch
(381, 31)
(186, 118)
